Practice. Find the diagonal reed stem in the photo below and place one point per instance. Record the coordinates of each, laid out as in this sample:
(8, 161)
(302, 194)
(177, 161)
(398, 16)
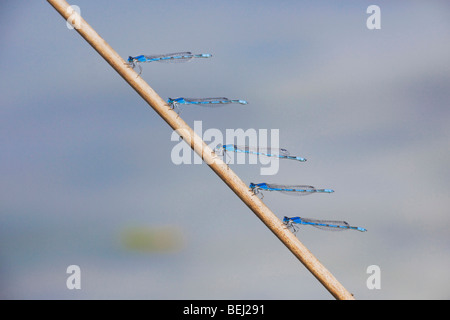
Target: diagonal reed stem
(207, 154)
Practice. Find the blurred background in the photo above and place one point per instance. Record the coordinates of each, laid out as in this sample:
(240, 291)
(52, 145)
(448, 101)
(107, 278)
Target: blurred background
(87, 177)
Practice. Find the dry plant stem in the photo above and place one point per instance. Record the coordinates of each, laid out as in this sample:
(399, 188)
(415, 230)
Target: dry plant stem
(207, 154)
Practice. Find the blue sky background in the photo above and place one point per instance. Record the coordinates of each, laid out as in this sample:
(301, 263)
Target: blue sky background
(85, 164)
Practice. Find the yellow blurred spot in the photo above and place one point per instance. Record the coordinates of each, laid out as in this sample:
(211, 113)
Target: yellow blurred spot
(152, 239)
